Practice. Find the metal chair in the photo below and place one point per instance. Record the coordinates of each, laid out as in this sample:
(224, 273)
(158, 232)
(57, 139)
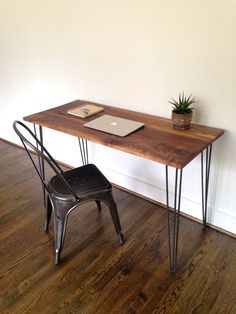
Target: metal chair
(66, 190)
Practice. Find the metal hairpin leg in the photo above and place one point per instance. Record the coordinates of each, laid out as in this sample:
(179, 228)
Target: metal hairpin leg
(40, 159)
(83, 145)
(205, 181)
(173, 223)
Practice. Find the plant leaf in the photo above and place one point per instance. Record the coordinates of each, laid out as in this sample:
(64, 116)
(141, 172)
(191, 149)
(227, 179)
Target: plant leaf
(182, 105)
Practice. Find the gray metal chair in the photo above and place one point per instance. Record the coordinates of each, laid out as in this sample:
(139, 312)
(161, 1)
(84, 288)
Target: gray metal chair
(66, 190)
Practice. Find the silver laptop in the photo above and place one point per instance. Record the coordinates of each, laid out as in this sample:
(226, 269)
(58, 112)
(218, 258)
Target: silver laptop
(114, 125)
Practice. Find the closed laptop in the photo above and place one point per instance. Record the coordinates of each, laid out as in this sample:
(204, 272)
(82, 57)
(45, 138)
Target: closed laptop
(114, 125)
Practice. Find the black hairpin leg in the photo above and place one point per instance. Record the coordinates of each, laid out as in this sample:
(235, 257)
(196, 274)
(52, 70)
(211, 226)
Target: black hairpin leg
(83, 145)
(40, 159)
(205, 174)
(173, 217)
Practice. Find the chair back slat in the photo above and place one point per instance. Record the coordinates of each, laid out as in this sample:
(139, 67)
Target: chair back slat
(43, 155)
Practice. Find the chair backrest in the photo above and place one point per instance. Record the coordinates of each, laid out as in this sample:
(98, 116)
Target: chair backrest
(34, 146)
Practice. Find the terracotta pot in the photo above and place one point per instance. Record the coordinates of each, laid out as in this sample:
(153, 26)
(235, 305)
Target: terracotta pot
(181, 121)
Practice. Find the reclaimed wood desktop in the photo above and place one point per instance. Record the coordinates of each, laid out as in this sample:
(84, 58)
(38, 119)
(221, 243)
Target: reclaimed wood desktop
(157, 141)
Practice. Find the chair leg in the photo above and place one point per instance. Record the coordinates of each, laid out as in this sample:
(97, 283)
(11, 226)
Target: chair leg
(116, 221)
(99, 206)
(60, 225)
(48, 209)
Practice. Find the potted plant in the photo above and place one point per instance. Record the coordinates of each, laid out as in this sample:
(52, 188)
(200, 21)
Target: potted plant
(182, 111)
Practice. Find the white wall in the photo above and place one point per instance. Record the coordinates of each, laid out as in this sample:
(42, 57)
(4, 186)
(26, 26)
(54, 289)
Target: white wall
(130, 54)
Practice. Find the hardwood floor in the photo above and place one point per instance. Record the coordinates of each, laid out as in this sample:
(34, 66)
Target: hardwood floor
(97, 275)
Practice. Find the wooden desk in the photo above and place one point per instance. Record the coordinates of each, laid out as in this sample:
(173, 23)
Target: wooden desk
(157, 141)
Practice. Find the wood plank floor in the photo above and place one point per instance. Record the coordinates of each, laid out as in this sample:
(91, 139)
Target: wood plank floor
(97, 275)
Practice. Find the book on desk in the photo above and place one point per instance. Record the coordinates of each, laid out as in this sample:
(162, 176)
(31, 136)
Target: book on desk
(85, 111)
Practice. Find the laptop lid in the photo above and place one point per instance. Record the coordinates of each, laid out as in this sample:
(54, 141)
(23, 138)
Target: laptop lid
(114, 125)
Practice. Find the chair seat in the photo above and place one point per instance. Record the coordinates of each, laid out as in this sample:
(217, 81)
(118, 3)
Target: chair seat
(86, 181)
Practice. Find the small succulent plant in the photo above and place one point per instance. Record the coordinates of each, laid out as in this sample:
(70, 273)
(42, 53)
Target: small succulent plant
(182, 105)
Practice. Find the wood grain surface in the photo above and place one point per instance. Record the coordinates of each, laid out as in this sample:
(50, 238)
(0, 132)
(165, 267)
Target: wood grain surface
(97, 275)
(157, 141)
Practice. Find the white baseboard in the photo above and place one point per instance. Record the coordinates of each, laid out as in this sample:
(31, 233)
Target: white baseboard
(216, 217)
